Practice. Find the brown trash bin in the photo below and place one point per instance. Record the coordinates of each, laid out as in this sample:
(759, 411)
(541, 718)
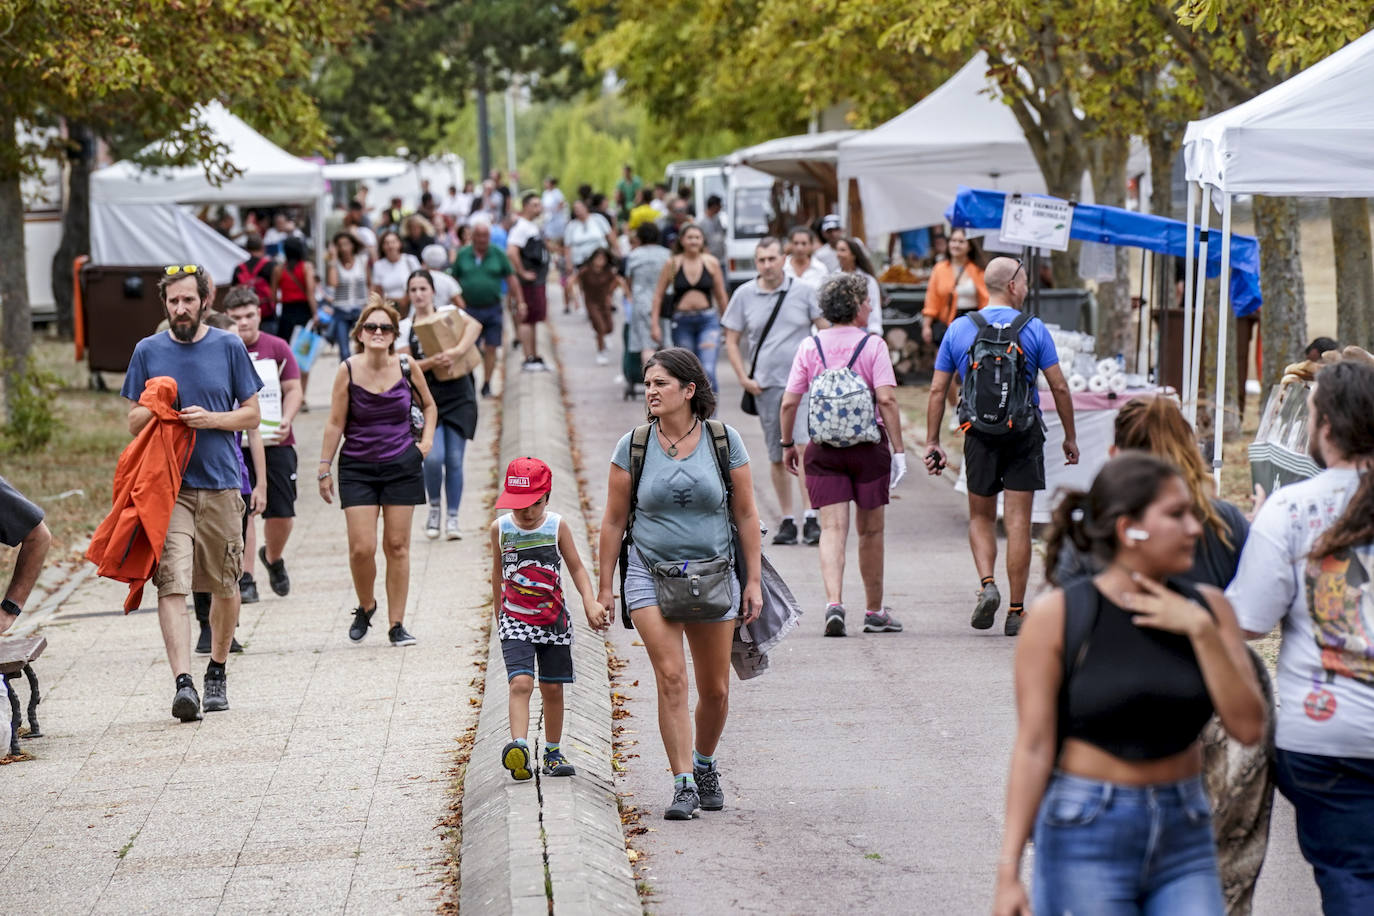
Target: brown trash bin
(121, 307)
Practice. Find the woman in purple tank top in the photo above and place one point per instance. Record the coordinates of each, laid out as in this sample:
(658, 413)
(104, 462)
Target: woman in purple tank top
(380, 464)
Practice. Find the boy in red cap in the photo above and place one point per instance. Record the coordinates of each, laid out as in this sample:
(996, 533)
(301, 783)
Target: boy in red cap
(529, 546)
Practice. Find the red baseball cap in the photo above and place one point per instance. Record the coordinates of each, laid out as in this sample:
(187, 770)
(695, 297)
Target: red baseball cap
(527, 479)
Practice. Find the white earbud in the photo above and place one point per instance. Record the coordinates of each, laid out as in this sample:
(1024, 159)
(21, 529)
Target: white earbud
(1137, 534)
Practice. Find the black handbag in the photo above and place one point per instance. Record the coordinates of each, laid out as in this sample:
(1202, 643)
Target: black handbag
(747, 402)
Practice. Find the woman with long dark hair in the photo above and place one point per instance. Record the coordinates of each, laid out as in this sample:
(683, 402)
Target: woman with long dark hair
(854, 260)
(683, 513)
(596, 280)
(955, 288)
(1116, 675)
(392, 270)
(698, 299)
(348, 275)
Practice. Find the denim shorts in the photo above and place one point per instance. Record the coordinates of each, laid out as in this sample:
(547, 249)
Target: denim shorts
(1110, 849)
(640, 592)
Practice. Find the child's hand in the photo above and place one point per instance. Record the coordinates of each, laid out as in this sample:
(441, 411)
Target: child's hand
(596, 614)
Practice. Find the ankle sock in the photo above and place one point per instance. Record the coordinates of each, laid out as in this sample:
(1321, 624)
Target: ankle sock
(877, 613)
(1016, 607)
(550, 746)
(701, 762)
(809, 513)
(184, 680)
(214, 667)
(521, 741)
(837, 604)
(986, 580)
(684, 779)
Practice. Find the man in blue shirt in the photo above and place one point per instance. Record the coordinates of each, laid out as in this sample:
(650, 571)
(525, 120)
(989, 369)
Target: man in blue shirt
(1013, 463)
(217, 391)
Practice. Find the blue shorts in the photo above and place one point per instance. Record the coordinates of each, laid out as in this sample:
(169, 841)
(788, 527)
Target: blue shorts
(493, 319)
(555, 662)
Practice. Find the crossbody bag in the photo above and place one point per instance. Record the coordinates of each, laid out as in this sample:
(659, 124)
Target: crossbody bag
(747, 402)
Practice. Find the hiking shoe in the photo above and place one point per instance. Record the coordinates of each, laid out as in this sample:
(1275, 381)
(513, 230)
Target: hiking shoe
(203, 641)
(248, 589)
(516, 758)
(787, 532)
(186, 703)
(276, 573)
(1012, 625)
(881, 622)
(432, 523)
(686, 804)
(709, 792)
(985, 611)
(811, 531)
(399, 636)
(216, 694)
(451, 532)
(486, 389)
(555, 764)
(834, 620)
(361, 621)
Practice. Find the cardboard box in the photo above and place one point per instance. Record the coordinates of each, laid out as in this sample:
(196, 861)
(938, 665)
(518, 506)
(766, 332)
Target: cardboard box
(443, 331)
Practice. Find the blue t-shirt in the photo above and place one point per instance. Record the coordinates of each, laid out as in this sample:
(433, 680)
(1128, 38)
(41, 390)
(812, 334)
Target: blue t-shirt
(215, 373)
(1035, 340)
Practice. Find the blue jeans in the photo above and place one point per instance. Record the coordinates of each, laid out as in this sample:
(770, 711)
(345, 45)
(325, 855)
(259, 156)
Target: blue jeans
(1113, 850)
(1334, 799)
(341, 327)
(700, 333)
(445, 459)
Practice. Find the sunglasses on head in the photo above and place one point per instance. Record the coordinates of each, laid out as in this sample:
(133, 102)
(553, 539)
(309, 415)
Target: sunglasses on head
(372, 328)
(173, 270)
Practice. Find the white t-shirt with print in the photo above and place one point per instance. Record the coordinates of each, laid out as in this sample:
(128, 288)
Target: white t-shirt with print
(1326, 662)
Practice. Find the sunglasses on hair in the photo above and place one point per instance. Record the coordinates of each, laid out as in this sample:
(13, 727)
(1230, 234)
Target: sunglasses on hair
(372, 328)
(175, 269)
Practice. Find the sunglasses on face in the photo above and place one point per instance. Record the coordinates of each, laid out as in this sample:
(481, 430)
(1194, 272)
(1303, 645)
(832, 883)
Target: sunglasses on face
(176, 269)
(379, 328)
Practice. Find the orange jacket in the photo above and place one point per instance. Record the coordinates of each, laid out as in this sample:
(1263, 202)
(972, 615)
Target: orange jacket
(128, 544)
(941, 299)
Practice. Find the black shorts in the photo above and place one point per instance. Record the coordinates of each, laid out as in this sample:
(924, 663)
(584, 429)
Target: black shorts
(996, 463)
(398, 482)
(18, 515)
(493, 323)
(281, 480)
(555, 662)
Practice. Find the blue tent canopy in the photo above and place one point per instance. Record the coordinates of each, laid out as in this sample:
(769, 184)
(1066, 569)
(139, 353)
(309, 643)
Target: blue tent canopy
(979, 209)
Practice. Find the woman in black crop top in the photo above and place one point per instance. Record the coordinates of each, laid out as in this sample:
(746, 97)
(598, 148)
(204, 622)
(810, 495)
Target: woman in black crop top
(697, 300)
(1115, 678)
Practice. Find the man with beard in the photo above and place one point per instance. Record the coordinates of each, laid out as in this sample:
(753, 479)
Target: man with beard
(217, 395)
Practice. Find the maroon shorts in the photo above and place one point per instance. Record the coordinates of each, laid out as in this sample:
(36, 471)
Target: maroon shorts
(536, 302)
(858, 474)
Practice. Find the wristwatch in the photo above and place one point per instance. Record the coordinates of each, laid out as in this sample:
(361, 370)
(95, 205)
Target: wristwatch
(9, 607)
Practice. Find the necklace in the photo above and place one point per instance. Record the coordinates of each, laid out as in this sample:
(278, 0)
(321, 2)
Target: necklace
(672, 446)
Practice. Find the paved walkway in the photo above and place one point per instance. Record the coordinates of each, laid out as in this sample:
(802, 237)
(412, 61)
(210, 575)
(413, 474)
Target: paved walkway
(321, 789)
(862, 774)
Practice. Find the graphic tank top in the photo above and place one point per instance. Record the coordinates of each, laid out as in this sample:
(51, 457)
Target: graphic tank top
(532, 590)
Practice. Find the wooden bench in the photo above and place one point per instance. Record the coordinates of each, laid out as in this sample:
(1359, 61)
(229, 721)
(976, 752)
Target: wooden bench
(16, 656)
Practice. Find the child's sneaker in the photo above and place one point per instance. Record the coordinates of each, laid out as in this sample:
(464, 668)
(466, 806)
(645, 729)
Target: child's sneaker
(555, 764)
(516, 758)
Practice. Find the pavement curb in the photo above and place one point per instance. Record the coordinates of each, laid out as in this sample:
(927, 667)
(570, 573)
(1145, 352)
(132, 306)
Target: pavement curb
(547, 845)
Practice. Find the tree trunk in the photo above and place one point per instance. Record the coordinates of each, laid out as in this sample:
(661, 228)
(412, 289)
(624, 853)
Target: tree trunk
(1354, 271)
(1283, 317)
(16, 334)
(1115, 332)
(1064, 179)
(76, 222)
(1163, 149)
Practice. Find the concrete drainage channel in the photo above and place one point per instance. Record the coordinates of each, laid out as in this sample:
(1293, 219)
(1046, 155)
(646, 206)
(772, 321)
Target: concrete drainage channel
(546, 845)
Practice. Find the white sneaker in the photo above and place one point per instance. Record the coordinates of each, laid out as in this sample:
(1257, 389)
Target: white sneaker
(432, 523)
(451, 532)
(530, 366)
(602, 359)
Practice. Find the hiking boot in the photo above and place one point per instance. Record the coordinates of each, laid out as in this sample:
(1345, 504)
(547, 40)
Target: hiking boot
(399, 636)
(811, 530)
(486, 389)
(516, 758)
(248, 589)
(555, 764)
(709, 792)
(361, 621)
(985, 611)
(686, 804)
(1012, 625)
(787, 532)
(276, 573)
(834, 620)
(216, 695)
(451, 532)
(881, 622)
(204, 640)
(186, 703)
(432, 522)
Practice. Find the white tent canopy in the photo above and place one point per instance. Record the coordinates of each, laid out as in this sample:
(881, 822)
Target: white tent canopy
(806, 159)
(136, 216)
(910, 168)
(1310, 136)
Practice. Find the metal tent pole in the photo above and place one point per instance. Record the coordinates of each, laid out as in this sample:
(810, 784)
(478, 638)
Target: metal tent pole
(1189, 264)
(1199, 304)
(1219, 407)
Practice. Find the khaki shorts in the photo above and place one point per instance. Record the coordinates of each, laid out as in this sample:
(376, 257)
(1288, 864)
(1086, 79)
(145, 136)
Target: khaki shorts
(204, 547)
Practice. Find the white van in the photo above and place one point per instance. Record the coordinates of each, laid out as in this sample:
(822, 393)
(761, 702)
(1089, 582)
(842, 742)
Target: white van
(749, 214)
(705, 176)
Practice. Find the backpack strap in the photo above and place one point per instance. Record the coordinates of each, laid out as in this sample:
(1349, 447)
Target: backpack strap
(859, 349)
(819, 351)
(978, 320)
(720, 448)
(639, 444)
(1082, 604)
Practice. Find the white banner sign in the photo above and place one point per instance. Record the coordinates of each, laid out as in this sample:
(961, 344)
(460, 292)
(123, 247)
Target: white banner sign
(1036, 221)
